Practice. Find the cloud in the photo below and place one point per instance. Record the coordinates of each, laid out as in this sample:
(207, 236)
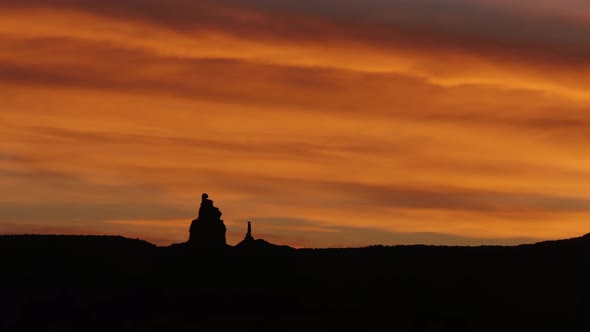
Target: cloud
(90, 213)
(391, 117)
(213, 33)
(501, 28)
(331, 91)
(466, 200)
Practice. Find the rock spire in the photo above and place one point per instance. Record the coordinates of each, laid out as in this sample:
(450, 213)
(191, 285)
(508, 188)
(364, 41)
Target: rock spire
(249, 233)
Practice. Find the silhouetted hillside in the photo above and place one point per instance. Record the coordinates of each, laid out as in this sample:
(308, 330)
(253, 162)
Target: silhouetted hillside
(72, 242)
(98, 283)
(67, 283)
(261, 246)
(582, 242)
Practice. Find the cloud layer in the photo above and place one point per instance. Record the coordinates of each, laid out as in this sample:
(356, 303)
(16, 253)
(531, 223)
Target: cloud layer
(446, 122)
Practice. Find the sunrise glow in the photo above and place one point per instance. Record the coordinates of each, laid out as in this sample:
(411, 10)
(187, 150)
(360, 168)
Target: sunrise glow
(325, 123)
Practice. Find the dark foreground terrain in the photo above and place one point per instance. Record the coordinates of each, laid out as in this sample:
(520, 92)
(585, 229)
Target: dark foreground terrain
(79, 283)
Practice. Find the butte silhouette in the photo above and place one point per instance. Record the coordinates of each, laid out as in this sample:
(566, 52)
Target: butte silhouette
(208, 231)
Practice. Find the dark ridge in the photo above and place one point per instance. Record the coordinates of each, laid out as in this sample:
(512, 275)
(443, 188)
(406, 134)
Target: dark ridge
(71, 242)
(261, 246)
(576, 242)
(111, 283)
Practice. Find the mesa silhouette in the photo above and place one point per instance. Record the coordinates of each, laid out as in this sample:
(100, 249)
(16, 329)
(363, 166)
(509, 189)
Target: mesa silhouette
(207, 234)
(106, 283)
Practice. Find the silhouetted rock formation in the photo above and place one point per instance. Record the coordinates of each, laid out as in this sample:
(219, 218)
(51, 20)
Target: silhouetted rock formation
(260, 245)
(248, 239)
(208, 230)
(249, 233)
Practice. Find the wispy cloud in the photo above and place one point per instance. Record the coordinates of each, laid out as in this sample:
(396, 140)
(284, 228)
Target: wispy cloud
(431, 121)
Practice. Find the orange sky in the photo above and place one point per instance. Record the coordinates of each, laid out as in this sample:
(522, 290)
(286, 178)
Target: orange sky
(327, 123)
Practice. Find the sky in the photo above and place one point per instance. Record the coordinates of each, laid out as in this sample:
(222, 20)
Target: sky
(327, 123)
